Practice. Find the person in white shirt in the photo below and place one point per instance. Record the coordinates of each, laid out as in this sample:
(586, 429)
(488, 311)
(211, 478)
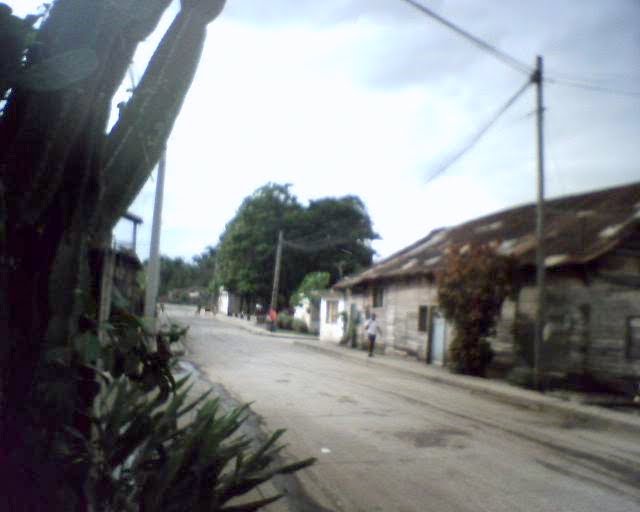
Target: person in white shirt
(372, 328)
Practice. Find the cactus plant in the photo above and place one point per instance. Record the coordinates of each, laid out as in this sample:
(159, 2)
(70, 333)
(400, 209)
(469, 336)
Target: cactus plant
(65, 179)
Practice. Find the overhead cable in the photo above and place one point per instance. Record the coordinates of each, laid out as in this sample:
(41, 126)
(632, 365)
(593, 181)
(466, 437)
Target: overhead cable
(512, 61)
(318, 244)
(591, 87)
(497, 53)
(473, 141)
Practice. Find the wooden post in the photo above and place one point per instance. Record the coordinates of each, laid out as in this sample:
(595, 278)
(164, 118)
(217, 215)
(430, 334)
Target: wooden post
(153, 267)
(276, 273)
(540, 253)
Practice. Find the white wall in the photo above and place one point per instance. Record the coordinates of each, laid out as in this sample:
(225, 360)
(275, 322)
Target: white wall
(223, 302)
(308, 313)
(331, 331)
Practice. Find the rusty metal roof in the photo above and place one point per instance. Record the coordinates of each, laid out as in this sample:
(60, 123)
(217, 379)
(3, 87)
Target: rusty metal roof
(578, 229)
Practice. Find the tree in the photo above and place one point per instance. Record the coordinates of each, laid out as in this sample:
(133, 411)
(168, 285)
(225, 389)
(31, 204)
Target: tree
(310, 288)
(340, 231)
(64, 182)
(247, 248)
(176, 273)
(205, 266)
(331, 235)
(471, 288)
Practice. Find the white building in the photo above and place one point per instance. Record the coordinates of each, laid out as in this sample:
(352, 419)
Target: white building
(331, 322)
(228, 303)
(308, 312)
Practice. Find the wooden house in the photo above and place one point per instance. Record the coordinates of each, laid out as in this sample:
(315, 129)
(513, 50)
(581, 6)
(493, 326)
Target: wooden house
(592, 322)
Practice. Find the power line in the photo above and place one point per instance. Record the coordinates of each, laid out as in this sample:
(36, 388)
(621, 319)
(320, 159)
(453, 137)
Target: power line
(515, 63)
(317, 245)
(591, 87)
(497, 53)
(474, 140)
(595, 75)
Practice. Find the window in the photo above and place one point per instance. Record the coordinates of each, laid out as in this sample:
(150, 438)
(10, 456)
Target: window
(423, 314)
(332, 311)
(633, 337)
(378, 295)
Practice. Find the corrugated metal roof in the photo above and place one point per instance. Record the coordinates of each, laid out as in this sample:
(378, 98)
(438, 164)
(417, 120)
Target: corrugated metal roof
(578, 229)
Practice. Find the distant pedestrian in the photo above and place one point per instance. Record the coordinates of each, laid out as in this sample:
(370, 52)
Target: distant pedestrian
(372, 329)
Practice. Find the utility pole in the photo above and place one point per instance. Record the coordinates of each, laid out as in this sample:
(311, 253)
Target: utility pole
(276, 274)
(153, 268)
(540, 253)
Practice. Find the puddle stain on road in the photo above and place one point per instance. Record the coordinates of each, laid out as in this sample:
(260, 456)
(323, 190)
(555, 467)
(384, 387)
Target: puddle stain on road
(438, 438)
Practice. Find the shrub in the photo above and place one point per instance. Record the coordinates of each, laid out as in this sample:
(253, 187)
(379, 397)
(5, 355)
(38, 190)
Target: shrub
(285, 320)
(470, 355)
(472, 286)
(145, 459)
(149, 446)
(299, 326)
(521, 376)
(523, 339)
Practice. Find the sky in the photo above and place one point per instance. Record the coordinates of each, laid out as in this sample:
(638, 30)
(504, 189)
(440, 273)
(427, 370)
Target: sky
(371, 97)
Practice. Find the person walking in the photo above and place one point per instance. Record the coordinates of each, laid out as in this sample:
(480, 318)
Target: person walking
(372, 329)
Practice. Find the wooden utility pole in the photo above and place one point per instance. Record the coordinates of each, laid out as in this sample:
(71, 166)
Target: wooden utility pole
(153, 267)
(276, 273)
(540, 253)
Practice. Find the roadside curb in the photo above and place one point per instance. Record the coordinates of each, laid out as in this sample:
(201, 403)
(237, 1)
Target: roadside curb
(500, 391)
(249, 326)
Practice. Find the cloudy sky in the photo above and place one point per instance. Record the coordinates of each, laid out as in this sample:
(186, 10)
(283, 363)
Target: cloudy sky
(371, 97)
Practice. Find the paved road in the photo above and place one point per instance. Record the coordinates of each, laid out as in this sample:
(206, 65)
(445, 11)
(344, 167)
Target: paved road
(392, 442)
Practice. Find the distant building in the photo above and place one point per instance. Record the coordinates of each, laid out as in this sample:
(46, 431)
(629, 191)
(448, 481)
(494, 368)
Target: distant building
(228, 303)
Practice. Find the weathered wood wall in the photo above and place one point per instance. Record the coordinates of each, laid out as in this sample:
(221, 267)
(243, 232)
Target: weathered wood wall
(587, 318)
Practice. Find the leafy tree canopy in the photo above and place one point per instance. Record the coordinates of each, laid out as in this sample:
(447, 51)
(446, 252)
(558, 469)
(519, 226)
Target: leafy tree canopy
(310, 288)
(176, 273)
(246, 252)
(330, 235)
(340, 231)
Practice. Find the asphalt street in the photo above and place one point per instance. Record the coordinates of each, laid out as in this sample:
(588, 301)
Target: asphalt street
(392, 442)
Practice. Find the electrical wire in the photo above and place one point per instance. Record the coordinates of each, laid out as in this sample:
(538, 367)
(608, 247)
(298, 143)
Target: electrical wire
(474, 140)
(591, 87)
(497, 53)
(593, 76)
(318, 244)
(515, 63)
